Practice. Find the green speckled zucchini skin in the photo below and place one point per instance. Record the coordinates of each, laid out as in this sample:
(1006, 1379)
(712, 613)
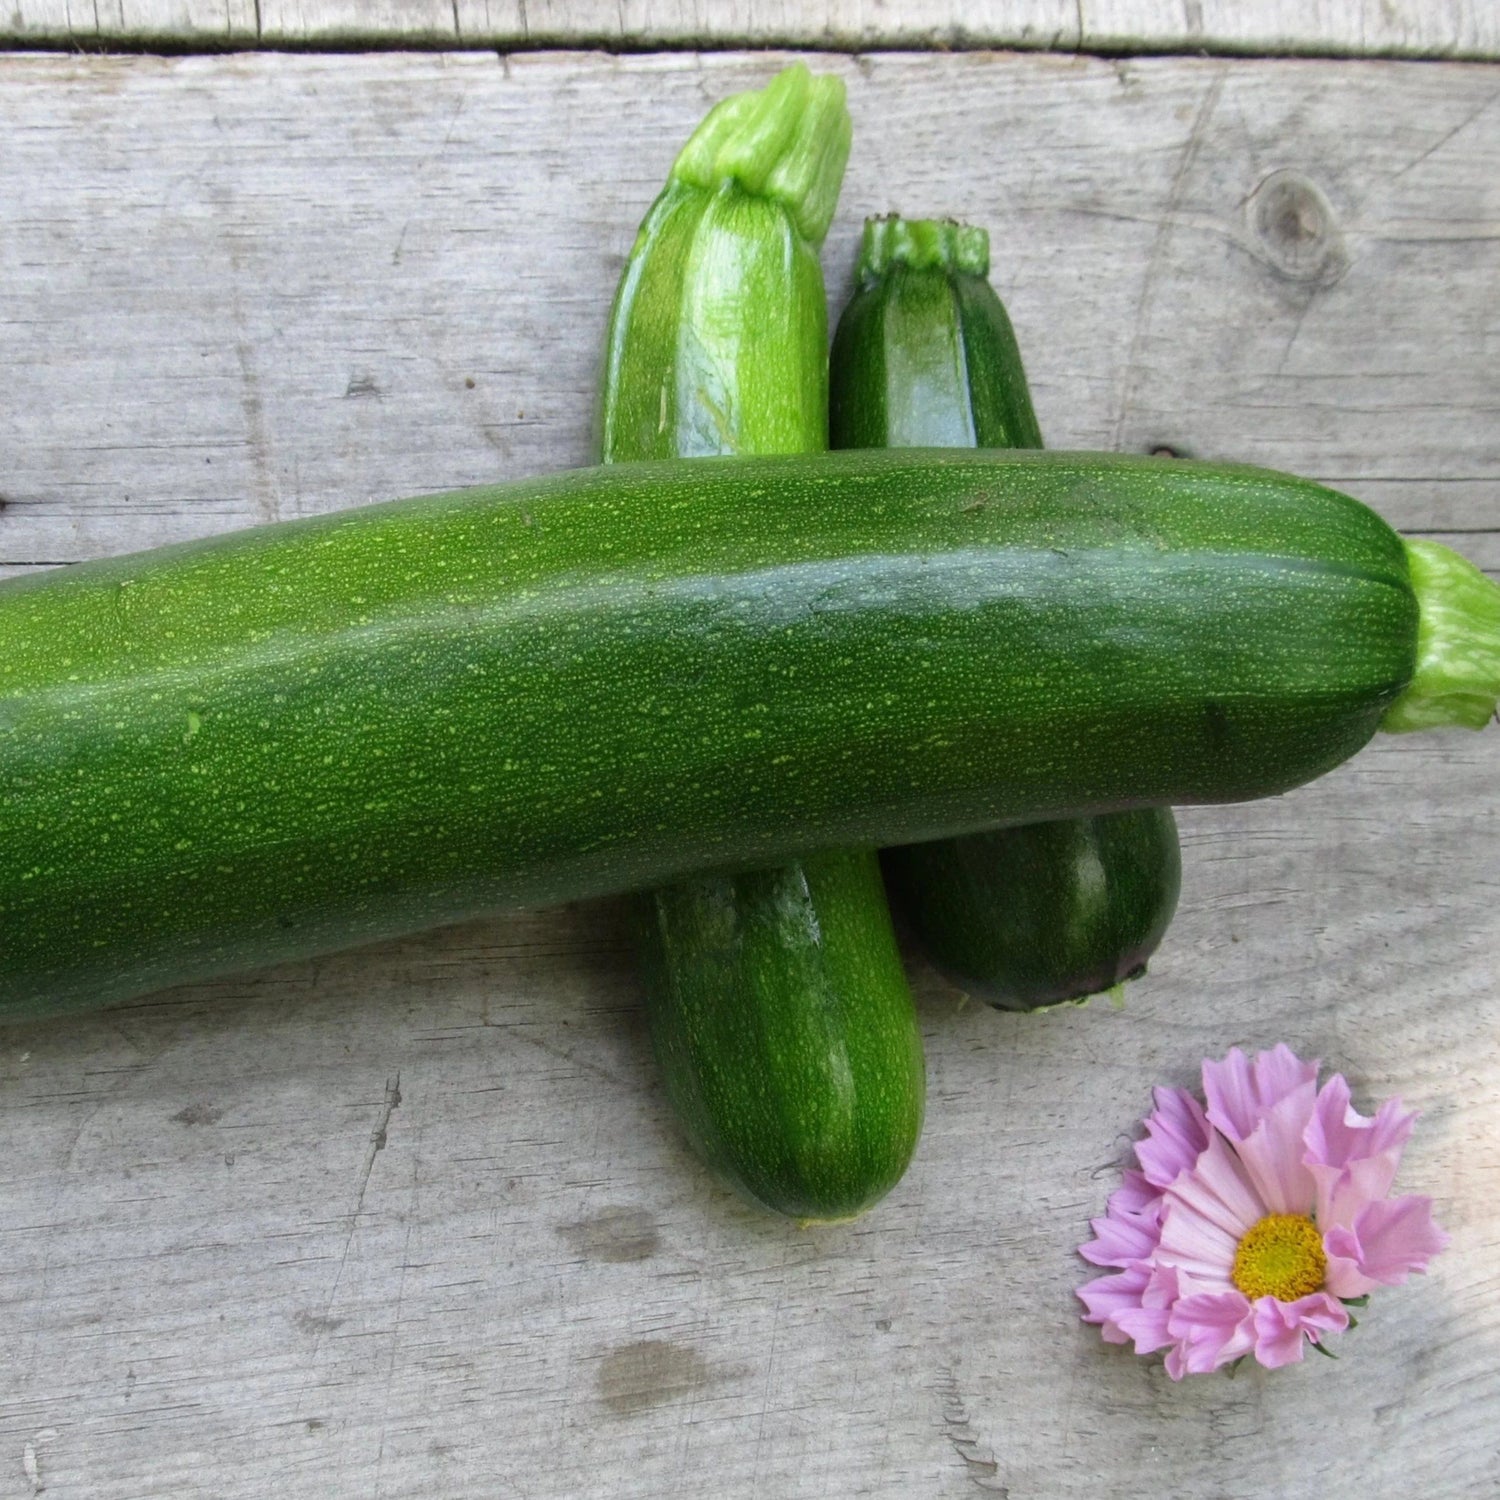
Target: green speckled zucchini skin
(1031, 916)
(1028, 916)
(786, 1031)
(778, 1005)
(924, 355)
(293, 739)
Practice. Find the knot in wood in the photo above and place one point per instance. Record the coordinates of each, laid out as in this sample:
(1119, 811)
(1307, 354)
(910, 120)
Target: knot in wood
(1296, 232)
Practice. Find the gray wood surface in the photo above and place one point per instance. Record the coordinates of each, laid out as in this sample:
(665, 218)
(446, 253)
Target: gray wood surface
(1412, 28)
(416, 1220)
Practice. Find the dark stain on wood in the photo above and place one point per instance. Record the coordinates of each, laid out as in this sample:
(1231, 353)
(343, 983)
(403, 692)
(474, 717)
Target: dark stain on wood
(616, 1234)
(199, 1114)
(649, 1372)
(316, 1324)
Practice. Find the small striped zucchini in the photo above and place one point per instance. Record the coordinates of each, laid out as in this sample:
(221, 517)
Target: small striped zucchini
(1028, 916)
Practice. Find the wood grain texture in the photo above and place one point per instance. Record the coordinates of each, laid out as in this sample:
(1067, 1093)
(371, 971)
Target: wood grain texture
(1367, 28)
(415, 1220)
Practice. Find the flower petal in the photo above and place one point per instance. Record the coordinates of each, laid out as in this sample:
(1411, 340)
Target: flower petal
(1282, 1328)
(1272, 1154)
(1119, 1242)
(1145, 1327)
(1131, 1308)
(1263, 1108)
(1135, 1195)
(1195, 1247)
(1176, 1133)
(1338, 1134)
(1241, 1093)
(1211, 1329)
(1352, 1159)
(1230, 1092)
(1107, 1296)
(1218, 1190)
(1387, 1242)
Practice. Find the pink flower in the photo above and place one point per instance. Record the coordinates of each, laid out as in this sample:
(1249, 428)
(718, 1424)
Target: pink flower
(1254, 1220)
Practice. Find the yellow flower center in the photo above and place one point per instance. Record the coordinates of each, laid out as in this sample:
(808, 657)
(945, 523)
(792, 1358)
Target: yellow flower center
(1282, 1257)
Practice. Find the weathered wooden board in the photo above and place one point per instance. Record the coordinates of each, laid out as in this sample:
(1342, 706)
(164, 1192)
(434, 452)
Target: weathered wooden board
(415, 1220)
(1365, 28)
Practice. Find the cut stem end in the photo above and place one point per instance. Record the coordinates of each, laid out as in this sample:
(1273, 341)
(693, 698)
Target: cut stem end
(788, 142)
(1457, 680)
(921, 245)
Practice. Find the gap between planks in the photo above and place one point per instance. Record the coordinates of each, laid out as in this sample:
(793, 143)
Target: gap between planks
(1464, 29)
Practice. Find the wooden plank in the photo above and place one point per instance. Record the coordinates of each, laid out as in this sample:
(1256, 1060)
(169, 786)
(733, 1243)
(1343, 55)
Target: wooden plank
(1368, 28)
(1412, 28)
(416, 1219)
(87, 23)
(1193, 252)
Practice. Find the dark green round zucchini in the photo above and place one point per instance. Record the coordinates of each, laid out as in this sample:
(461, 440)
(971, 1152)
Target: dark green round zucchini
(778, 1006)
(925, 356)
(1046, 912)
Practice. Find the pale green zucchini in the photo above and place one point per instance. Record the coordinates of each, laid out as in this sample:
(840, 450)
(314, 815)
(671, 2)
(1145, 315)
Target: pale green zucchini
(778, 1006)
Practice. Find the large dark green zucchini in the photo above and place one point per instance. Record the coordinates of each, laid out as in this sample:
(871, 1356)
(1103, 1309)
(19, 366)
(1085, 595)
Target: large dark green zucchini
(777, 1002)
(314, 734)
(925, 356)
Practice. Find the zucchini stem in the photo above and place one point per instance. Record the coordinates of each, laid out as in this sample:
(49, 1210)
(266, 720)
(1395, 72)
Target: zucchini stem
(1457, 679)
(922, 245)
(788, 142)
